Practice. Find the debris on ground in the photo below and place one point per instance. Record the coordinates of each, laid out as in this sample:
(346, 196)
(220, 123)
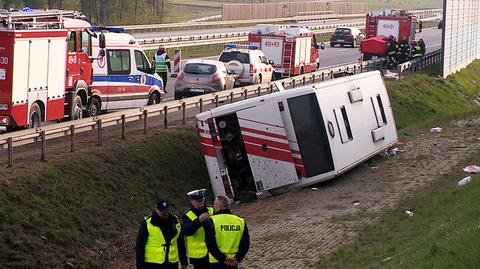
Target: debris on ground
(314, 189)
(436, 130)
(386, 259)
(355, 203)
(464, 180)
(399, 143)
(409, 213)
(472, 169)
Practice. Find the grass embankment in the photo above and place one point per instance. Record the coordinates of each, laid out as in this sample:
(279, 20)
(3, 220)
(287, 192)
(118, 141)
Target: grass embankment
(445, 230)
(72, 209)
(377, 5)
(84, 208)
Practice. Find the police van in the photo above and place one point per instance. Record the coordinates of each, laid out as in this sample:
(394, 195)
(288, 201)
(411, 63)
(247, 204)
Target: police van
(296, 138)
(122, 75)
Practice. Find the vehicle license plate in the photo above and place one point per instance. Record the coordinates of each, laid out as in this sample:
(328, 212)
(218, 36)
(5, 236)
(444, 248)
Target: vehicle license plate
(197, 90)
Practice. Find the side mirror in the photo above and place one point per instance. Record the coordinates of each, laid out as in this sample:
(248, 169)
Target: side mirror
(101, 41)
(153, 69)
(322, 46)
(271, 62)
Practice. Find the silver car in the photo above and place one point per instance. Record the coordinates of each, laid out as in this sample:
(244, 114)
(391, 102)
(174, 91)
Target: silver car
(202, 76)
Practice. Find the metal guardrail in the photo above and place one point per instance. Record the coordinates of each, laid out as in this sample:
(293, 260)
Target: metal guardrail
(412, 66)
(98, 123)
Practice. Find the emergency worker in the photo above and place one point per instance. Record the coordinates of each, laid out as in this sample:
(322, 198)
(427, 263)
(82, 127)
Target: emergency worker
(416, 51)
(160, 243)
(194, 220)
(226, 236)
(162, 64)
(392, 49)
(404, 51)
(422, 45)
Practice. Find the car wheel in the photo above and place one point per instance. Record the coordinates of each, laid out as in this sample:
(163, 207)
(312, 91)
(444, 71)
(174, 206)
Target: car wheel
(94, 107)
(154, 99)
(259, 80)
(35, 116)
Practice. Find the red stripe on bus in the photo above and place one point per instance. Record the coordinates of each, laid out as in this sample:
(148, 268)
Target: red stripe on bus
(255, 131)
(265, 123)
(208, 150)
(269, 153)
(267, 142)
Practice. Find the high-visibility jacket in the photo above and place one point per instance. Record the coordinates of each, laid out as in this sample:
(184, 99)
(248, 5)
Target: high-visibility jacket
(416, 51)
(196, 243)
(161, 63)
(392, 48)
(228, 233)
(156, 246)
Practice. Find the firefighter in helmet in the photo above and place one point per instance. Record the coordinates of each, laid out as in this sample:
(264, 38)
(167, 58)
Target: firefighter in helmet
(162, 64)
(421, 43)
(392, 50)
(416, 52)
(193, 222)
(404, 51)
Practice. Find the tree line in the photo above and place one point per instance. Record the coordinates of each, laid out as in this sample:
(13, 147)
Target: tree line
(103, 12)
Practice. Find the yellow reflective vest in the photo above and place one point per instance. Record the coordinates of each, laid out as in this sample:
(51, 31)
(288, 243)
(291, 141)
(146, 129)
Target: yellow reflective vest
(196, 243)
(156, 246)
(228, 233)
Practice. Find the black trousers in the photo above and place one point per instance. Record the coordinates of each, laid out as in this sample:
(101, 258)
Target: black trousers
(221, 266)
(164, 76)
(200, 263)
(161, 266)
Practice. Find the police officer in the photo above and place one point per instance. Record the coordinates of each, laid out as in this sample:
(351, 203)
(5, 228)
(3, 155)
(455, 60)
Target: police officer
(160, 244)
(194, 221)
(162, 64)
(226, 236)
(392, 49)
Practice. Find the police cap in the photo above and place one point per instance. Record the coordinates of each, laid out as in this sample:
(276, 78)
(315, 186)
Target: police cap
(197, 194)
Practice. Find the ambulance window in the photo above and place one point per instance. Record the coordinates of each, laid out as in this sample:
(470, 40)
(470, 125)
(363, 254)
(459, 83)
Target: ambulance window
(72, 39)
(118, 62)
(141, 62)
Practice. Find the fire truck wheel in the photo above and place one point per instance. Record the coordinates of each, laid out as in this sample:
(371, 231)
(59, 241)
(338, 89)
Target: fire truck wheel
(154, 99)
(94, 107)
(35, 116)
(77, 109)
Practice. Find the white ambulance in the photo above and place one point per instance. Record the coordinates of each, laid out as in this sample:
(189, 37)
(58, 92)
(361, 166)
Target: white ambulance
(122, 75)
(296, 138)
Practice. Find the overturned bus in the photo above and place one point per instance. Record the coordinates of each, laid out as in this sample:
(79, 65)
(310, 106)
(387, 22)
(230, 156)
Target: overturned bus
(296, 138)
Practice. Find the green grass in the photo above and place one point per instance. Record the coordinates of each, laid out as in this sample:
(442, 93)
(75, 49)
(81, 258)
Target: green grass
(54, 212)
(377, 5)
(443, 233)
(200, 3)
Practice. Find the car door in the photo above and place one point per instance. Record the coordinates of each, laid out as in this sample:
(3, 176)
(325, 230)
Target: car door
(121, 84)
(142, 90)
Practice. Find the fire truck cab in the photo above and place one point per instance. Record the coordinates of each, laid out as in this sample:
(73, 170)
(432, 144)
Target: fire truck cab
(292, 50)
(296, 138)
(379, 27)
(45, 69)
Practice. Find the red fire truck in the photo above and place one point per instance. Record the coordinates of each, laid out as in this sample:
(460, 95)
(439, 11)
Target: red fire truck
(45, 66)
(292, 50)
(378, 28)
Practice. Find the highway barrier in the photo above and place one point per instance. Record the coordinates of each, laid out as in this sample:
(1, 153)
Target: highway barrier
(70, 129)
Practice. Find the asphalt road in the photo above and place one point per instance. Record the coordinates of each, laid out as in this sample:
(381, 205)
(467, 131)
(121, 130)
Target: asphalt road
(338, 55)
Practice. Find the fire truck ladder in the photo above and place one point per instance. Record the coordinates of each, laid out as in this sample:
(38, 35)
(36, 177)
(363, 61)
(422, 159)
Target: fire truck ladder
(44, 19)
(371, 27)
(287, 58)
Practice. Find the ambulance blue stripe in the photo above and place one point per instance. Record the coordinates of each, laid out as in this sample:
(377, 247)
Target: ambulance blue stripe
(125, 79)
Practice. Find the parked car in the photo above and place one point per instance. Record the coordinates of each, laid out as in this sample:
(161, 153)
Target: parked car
(350, 36)
(440, 24)
(248, 63)
(202, 76)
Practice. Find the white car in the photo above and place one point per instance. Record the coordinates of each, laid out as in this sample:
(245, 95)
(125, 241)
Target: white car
(248, 64)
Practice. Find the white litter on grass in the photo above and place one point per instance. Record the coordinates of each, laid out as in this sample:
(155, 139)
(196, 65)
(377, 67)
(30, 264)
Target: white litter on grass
(436, 130)
(409, 213)
(472, 169)
(356, 203)
(386, 259)
(314, 189)
(464, 180)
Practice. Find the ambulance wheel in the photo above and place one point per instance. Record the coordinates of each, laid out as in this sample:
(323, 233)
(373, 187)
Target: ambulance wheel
(154, 99)
(94, 107)
(35, 116)
(77, 108)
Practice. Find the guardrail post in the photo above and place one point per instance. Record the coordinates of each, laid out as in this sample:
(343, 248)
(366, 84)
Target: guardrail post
(145, 121)
(292, 82)
(165, 120)
(259, 89)
(354, 69)
(44, 146)
(184, 108)
(323, 76)
(331, 74)
(368, 66)
(124, 126)
(245, 93)
(303, 80)
(99, 135)
(10, 151)
(361, 67)
(231, 97)
(216, 100)
(313, 78)
(399, 71)
(72, 138)
(271, 88)
(201, 104)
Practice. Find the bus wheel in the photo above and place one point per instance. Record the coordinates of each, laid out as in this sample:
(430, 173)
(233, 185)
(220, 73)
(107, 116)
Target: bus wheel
(35, 116)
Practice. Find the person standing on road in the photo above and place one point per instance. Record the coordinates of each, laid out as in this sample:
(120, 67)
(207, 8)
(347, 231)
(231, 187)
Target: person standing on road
(162, 64)
(226, 236)
(422, 45)
(160, 244)
(194, 220)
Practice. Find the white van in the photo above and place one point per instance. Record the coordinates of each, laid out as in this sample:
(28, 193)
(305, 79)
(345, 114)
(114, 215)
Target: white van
(122, 75)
